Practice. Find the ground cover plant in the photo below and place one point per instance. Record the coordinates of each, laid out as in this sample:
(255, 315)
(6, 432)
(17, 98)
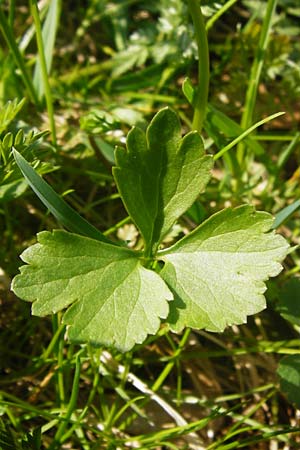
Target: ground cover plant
(158, 240)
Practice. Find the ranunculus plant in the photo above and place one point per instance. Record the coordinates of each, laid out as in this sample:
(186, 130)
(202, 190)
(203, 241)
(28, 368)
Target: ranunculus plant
(115, 296)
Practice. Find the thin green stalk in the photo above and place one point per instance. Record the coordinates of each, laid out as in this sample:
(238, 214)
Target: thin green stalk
(53, 342)
(11, 42)
(245, 133)
(234, 429)
(291, 347)
(58, 348)
(219, 13)
(82, 415)
(255, 74)
(40, 45)
(15, 402)
(60, 375)
(71, 405)
(274, 137)
(117, 226)
(171, 364)
(11, 13)
(203, 65)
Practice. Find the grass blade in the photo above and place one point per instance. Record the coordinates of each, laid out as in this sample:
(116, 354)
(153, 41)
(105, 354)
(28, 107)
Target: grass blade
(230, 128)
(219, 13)
(203, 65)
(42, 59)
(285, 213)
(245, 133)
(65, 215)
(219, 120)
(255, 74)
(49, 34)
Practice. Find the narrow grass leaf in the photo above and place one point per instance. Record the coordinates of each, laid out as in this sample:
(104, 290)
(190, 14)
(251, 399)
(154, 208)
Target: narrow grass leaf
(285, 213)
(255, 73)
(43, 65)
(201, 94)
(219, 121)
(223, 8)
(245, 133)
(229, 127)
(49, 33)
(65, 215)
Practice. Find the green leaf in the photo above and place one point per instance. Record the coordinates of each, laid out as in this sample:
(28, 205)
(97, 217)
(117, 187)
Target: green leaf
(285, 213)
(65, 215)
(8, 112)
(112, 298)
(289, 301)
(49, 34)
(289, 374)
(10, 191)
(217, 121)
(160, 175)
(217, 272)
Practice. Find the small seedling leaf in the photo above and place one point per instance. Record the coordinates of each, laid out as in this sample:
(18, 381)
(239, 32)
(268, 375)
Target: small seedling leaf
(160, 175)
(112, 299)
(217, 272)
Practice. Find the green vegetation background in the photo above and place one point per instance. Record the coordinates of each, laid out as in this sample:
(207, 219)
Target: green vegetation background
(106, 66)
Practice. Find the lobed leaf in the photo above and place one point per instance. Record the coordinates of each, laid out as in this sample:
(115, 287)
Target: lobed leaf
(160, 175)
(113, 300)
(215, 275)
(217, 272)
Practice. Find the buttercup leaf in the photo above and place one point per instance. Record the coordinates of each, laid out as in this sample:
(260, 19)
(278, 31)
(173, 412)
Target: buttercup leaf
(160, 175)
(112, 298)
(215, 275)
(217, 272)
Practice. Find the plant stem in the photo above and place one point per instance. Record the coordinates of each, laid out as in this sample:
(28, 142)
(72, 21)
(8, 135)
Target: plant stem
(71, 405)
(255, 74)
(171, 364)
(40, 45)
(12, 8)
(53, 343)
(245, 134)
(219, 13)
(203, 65)
(58, 348)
